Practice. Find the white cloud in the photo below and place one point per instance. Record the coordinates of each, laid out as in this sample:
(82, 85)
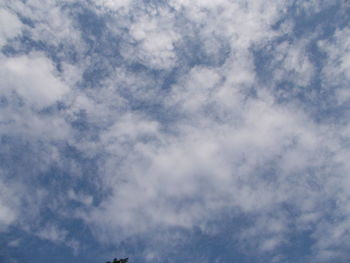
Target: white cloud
(199, 86)
(80, 197)
(153, 39)
(292, 64)
(242, 22)
(10, 26)
(9, 204)
(7, 216)
(113, 5)
(55, 234)
(52, 233)
(33, 78)
(337, 67)
(31, 83)
(52, 23)
(186, 179)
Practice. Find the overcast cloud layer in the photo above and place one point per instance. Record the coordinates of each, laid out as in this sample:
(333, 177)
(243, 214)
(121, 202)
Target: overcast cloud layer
(174, 131)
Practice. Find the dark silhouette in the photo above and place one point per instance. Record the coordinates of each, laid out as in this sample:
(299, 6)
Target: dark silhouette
(122, 260)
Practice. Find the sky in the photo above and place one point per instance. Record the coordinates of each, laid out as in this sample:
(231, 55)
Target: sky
(175, 131)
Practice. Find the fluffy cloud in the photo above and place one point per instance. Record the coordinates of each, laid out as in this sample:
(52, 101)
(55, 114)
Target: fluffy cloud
(160, 117)
(10, 27)
(33, 79)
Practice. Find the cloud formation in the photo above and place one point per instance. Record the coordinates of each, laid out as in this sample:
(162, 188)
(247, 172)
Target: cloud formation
(167, 124)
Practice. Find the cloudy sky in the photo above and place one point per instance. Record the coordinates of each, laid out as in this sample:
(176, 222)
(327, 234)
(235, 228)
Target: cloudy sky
(193, 131)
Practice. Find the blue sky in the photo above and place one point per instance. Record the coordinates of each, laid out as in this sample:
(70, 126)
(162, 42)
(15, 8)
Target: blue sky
(174, 131)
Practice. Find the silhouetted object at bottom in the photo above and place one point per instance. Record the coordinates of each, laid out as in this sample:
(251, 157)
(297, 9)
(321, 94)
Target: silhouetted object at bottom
(123, 260)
